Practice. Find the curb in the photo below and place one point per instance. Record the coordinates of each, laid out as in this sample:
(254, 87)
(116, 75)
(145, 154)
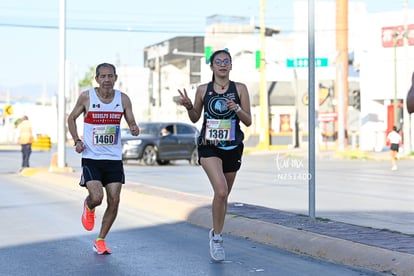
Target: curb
(196, 210)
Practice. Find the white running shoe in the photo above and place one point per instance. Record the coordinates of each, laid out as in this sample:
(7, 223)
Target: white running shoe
(216, 248)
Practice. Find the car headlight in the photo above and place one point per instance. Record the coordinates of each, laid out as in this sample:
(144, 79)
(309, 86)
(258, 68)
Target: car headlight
(134, 142)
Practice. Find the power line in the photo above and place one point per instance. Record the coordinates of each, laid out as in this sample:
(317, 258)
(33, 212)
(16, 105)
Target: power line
(96, 29)
(101, 29)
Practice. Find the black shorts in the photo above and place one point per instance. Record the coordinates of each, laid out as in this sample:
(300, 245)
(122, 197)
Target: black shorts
(394, 147)
(105, 171)
(231, 158)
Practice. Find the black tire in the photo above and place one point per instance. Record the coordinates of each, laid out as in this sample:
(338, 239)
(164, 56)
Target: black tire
(194, 158)
(163, 162)
(149, 156)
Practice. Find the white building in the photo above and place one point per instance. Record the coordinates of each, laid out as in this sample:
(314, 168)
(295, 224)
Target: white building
(385, 74)
(172, 67)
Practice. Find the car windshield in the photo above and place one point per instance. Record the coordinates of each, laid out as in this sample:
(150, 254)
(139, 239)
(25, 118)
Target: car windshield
(155, 129)
(151, 129)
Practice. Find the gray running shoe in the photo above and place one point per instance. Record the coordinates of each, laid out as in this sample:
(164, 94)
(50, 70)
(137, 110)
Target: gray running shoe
(216, 248)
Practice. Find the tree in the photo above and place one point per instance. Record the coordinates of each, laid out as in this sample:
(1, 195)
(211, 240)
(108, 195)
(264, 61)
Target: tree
(87, 80)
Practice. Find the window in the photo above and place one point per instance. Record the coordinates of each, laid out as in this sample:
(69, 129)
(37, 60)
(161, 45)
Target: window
(184, 129)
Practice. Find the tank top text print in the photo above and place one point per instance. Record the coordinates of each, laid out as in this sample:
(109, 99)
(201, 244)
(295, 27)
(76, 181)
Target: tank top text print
(106, 126)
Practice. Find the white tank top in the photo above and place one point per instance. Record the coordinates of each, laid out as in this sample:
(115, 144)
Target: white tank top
(102, 128)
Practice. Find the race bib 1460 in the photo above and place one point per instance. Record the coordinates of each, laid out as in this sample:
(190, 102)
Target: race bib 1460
(105, 135)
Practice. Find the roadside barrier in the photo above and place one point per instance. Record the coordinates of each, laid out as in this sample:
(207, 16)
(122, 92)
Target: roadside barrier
(42, 143)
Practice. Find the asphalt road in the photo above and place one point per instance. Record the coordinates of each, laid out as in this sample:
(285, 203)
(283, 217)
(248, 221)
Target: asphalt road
(365, 193)
(42, 235)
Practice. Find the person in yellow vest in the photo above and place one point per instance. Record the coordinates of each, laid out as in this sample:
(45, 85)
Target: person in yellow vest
(25, 139)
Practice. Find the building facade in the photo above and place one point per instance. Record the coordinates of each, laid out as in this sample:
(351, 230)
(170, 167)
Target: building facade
(181, 63)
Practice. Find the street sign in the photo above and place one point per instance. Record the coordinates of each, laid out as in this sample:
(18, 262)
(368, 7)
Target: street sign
(394, 35)
(8, 109)
(304, 62)
(327, 116)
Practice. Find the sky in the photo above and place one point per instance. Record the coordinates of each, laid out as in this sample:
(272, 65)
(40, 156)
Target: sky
(116, 31)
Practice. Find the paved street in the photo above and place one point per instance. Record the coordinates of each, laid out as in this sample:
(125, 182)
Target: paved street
(44, 236)
(348, 192)
(360, 192)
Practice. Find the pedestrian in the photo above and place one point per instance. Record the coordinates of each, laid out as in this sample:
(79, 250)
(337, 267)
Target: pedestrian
(102, 169)
(25, 139)
(394, 138)
(220, 143)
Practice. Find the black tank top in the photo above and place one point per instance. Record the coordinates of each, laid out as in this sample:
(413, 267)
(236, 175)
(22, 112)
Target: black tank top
(221, 126)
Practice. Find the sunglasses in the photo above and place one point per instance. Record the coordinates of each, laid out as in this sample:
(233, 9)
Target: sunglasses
(219, 62)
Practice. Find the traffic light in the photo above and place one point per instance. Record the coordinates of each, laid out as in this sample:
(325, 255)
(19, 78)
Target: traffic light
(356, 99)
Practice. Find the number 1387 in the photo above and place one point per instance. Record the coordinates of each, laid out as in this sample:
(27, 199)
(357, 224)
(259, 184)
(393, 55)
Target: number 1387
(218, 133)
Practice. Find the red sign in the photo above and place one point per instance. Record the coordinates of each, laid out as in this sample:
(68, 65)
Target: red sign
(327, 116)
(394, 36)
(285, 123)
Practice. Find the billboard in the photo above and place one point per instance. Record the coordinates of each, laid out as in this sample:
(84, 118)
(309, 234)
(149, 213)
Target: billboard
(394, 35)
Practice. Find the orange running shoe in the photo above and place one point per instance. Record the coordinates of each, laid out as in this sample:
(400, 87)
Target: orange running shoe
(100, 248)
(88, 217)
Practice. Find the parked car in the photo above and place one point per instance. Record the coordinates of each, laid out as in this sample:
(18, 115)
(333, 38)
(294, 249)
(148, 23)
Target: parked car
(160, 143)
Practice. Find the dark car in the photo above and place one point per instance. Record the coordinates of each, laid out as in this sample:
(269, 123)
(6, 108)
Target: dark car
(160, 143)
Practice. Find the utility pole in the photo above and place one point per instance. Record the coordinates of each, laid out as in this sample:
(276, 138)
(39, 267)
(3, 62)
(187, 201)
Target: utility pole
(406, 116)
(341, 82)
(312, 110)
(61, 145)
(264, 97)
(395, 105)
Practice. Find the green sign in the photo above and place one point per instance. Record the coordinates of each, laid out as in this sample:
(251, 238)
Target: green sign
(304, 62)
(258, 59)
(208, 51)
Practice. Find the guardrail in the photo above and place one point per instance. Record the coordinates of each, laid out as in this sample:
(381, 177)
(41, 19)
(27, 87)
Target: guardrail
(42, 143)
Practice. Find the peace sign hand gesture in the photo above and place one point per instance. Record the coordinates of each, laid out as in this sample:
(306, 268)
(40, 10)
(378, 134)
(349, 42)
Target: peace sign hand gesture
(185, 100)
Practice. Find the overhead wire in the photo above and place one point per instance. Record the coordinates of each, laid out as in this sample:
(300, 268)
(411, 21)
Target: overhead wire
(115, 21)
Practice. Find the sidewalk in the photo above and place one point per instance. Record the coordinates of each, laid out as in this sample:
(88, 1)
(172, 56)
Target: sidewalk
(330, 154)
(377, 250)
(300, 152)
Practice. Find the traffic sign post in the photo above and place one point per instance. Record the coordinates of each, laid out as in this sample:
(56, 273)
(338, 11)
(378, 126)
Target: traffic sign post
(304, 62)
